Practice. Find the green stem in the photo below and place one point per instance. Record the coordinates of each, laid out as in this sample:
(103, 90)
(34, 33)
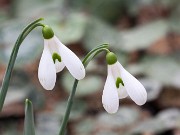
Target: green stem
(7, 76)
(86, 61)
(68, 109)
(89, 55)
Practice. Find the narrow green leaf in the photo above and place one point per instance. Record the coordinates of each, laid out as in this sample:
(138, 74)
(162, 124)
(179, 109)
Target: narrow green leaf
(29, 119)
(7, 76)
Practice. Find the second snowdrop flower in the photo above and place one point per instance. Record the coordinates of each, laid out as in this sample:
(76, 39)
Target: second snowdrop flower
(54, 58)
(119, 84)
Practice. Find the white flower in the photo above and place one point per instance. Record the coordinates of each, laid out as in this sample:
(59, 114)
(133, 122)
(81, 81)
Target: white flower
(119, 84)
(62, 56)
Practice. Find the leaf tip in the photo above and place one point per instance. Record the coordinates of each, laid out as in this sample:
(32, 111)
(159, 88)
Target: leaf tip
(27, 101)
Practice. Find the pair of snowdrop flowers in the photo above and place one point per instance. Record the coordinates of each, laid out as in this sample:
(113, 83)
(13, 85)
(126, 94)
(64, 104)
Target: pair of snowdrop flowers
(119, 83)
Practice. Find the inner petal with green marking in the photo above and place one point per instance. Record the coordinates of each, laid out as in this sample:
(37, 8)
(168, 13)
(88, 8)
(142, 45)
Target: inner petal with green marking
(118, 82)
(55, 57)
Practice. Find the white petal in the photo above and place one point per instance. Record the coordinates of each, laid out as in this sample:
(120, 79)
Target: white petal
(54, 48)
(46, 70)
(122, 93)
(52, 45)
(115, 71)
(59, 66)
(110, 98)
(134, 88)
(71, 61)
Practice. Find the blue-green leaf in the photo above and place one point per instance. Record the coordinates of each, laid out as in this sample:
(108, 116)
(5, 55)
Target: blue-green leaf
(29, 119)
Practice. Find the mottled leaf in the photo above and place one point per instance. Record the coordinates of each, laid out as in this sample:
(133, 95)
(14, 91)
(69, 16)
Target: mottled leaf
(89, 85)
(125, 116)
(77, 111)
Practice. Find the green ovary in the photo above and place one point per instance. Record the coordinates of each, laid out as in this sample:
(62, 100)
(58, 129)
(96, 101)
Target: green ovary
(47, 32)
(111, 58)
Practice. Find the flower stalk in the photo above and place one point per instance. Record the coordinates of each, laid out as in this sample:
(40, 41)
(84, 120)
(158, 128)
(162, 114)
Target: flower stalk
(85, 62)
(7, 76)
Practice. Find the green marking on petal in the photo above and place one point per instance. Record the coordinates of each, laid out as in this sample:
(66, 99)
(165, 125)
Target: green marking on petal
(119, 81)
(55, 57)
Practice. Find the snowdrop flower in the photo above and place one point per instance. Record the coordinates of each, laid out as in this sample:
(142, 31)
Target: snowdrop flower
(119, 84)
(54, 58)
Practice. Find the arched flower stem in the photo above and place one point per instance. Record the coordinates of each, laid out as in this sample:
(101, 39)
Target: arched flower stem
(7, 76)
(86, 61)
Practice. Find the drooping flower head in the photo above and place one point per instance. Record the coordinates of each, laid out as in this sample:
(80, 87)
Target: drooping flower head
(54, 58)
(119, 84)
